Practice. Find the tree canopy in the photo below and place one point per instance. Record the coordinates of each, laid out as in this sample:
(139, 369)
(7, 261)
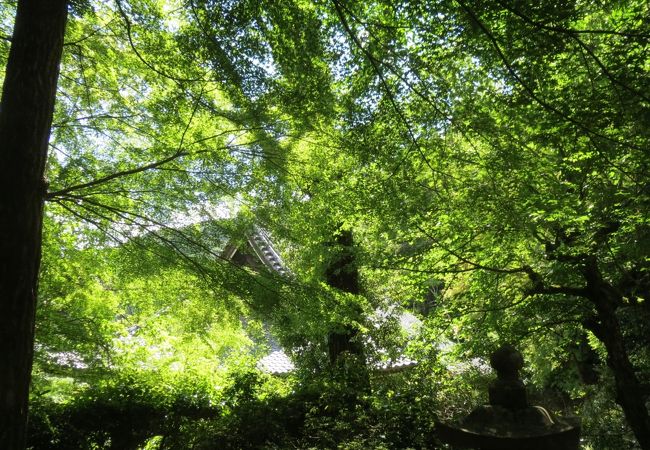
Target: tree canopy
(487, 160)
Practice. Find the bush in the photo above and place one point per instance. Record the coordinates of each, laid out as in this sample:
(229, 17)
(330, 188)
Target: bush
(252, 411)
(123, 413)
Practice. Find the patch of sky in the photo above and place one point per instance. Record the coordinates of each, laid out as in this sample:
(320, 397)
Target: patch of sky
(265, 59)
(173, 19)
(205, 210)
(341, 58)
(62, 358)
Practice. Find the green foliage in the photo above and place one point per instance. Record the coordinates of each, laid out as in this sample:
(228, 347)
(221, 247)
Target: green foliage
(490, 159)
(121, 413)
(603, 420)
(250, 411)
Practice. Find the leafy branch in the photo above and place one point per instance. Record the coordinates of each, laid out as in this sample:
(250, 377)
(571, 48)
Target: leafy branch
(529, 90)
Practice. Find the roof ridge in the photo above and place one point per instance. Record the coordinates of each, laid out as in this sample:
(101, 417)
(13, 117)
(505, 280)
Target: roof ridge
(266, 252)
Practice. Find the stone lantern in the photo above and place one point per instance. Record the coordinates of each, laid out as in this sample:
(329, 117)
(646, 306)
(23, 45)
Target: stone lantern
(509, 422)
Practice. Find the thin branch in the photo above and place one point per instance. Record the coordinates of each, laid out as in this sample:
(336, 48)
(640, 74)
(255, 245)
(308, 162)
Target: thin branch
(391, 98)
(539, 287)
(431, 272)
(545, 326)
(531, 93)
(127, 23)
(61, 202)
(574, 35)
(606, 71)
(571, 31)
(189, 122)
(471, 263)
(153, 165)
(145, 222)
(103, 116)
(498, 308)
(88, 36)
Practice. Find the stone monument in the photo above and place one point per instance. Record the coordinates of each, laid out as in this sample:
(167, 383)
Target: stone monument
(509, 422)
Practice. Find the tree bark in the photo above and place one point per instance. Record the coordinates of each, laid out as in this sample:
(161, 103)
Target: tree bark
(629, 391)
(25, 119)
(343, 274)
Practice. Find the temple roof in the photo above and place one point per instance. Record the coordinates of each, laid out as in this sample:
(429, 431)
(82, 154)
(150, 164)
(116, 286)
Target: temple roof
(277, 362)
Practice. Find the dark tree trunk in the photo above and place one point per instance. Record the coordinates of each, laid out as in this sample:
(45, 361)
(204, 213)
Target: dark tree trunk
(586, 361)
(342, 273)
(629, 391)
(25, 120)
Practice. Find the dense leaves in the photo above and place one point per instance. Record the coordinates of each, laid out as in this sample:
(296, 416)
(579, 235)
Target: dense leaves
(489, 158)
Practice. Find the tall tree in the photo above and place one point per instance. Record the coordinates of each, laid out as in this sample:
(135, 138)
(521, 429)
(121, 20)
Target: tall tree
(25, 118)
(342, 273)
(504, 149)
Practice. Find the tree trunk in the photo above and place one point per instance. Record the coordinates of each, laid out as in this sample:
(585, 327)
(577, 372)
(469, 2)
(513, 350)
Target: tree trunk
(351, 369)
(343, 274)
(25, 119)
(629, 392)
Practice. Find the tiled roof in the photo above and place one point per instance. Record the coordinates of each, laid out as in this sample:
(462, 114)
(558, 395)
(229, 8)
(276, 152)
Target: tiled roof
(276, 363)
(395, 365)
(264, 250)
